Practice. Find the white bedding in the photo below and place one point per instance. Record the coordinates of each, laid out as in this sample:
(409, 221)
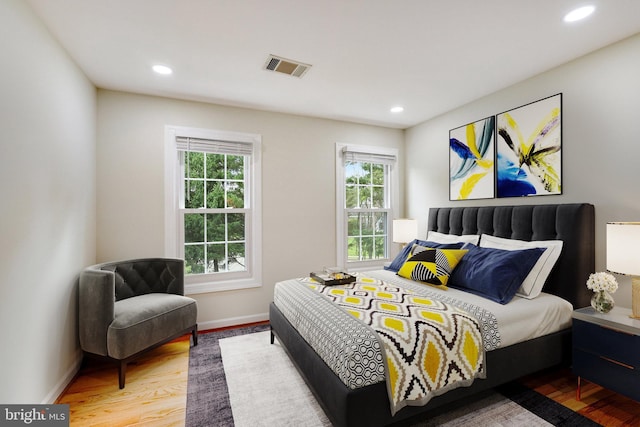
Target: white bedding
(519, 320)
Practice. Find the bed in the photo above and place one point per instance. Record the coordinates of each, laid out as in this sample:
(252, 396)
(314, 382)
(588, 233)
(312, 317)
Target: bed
(369, 405)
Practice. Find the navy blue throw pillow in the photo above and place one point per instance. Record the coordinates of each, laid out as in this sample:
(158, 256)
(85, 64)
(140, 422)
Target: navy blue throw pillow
(400, 259)
(495, 274)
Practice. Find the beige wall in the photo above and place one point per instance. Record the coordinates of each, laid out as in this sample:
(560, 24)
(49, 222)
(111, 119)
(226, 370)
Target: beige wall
(600, 113)
(298, 188)
(47, 208)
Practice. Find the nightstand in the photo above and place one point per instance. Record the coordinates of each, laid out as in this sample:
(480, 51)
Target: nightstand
(606, 350)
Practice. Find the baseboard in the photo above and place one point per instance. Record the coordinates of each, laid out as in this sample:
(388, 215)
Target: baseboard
(232, 321)
(64, 382)
(71, 373)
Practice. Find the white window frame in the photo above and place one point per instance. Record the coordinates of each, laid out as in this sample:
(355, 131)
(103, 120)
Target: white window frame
(341, 211)
(174, 226)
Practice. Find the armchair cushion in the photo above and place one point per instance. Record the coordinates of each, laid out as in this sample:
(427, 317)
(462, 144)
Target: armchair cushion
(145, 320)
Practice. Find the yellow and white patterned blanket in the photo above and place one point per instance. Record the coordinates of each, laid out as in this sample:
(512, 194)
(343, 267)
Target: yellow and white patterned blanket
(430, 347)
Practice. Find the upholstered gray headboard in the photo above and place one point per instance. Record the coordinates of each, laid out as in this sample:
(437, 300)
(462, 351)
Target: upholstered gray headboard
(574, 224)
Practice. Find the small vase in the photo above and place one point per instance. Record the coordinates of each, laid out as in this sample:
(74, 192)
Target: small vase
(602, 301)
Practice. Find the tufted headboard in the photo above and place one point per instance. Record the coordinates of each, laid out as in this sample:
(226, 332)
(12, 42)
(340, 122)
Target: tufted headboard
(574, 224)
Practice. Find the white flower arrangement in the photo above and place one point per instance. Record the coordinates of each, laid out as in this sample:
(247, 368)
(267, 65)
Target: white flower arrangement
(602, 282)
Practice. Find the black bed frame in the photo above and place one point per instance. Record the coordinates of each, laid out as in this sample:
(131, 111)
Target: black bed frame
(369, 406)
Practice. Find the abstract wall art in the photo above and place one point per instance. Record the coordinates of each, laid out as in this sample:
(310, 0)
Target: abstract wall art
(529, 149)
(471, 160)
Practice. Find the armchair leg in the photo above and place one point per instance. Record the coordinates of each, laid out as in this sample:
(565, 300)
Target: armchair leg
(194, 335)
(122, 370)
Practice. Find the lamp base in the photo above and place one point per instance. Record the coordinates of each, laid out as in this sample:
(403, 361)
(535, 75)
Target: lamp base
(635, 297)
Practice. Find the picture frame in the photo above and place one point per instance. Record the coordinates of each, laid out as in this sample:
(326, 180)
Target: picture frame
(529, 149)
(471, 160)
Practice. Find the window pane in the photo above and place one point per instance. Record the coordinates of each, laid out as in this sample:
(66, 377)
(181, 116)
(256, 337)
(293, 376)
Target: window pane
(215, 258)
(194, 194)
(352, 171)
(377, 172)
(366, 245)
(237, 257)
(194, 259)
(194, 228)
(364, 197)
(367, 223)
(235, 195)
(378, 197)
(194, 165)
(381, 223)
(351, 196)
(353, 224)
(235, 225)
(235, 167)
(353, 247)
(215, 166)
(365, 179)
(215, 228)
(215, 195)
(380, 247)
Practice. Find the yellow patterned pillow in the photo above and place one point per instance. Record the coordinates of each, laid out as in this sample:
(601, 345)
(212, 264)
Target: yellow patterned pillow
(432, 266)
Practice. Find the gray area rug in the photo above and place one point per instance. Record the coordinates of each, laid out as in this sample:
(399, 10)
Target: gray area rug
(207, 394)
(237, 378)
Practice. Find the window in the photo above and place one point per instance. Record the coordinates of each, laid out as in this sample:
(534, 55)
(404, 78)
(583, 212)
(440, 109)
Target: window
(213, 209)
(366, 180)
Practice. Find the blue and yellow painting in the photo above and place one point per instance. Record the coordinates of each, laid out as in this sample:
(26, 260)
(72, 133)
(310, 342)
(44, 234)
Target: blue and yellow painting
(471, 160)
(529, 149)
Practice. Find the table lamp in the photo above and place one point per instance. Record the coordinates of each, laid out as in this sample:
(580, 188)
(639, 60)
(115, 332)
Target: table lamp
(623, 240)
(404, 230)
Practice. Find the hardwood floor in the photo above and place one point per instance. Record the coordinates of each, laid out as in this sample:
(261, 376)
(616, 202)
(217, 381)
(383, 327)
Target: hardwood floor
(156, 393)
(600, 405)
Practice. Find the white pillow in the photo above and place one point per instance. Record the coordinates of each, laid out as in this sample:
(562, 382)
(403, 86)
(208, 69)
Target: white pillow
(533, 283)
(434, 236)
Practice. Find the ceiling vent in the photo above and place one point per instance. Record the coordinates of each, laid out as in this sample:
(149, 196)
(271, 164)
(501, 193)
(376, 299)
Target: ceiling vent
(286, 66)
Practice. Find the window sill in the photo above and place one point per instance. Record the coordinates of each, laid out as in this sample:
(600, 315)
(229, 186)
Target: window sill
(219, 286)
(367, 266)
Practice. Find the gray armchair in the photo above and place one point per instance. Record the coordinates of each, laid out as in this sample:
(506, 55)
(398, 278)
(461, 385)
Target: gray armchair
(129, 307)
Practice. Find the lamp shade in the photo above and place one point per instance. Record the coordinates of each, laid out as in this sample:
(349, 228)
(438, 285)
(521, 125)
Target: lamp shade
(623, 244)
(404, 230)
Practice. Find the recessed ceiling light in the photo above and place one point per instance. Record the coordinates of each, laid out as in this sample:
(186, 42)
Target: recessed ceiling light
(397, 109)
(579, 13)
(162, 69)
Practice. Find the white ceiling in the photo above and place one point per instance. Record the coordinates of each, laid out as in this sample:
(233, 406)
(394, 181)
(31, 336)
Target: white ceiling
(429, 56)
